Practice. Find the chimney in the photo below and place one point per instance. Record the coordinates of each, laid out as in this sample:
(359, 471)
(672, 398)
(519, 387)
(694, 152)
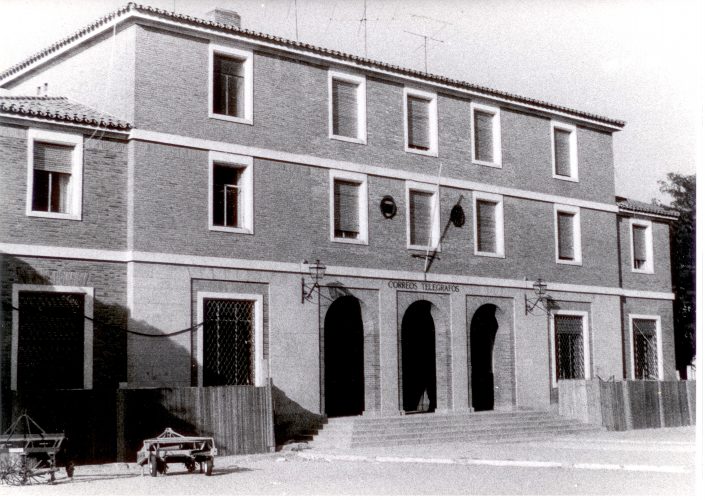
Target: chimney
(224, 16)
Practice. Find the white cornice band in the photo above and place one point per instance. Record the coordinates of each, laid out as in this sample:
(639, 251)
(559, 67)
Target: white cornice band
(127, 256)
(315, 161)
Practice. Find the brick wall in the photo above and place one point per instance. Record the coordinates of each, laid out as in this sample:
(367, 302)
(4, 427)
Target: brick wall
(104, 223)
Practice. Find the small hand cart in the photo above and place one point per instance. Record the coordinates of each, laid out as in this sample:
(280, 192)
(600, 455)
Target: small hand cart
(26, 456)
(172, 447)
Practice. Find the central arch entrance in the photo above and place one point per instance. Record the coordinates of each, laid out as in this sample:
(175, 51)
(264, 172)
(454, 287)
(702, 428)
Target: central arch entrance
(483, 330)
(418, 358)
(343, 351)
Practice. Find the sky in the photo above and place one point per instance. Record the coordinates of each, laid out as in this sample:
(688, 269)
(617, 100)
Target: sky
(641, 61)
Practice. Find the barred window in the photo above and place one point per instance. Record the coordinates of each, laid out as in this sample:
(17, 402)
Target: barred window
(569, 347)
(228, 342)
(645, 348)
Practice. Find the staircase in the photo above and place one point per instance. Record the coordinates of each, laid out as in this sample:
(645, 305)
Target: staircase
(428, 428)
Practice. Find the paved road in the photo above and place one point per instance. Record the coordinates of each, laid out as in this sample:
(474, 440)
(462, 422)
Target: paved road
(656, 462)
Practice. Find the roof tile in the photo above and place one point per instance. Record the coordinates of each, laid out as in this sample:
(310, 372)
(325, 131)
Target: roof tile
(60, 109)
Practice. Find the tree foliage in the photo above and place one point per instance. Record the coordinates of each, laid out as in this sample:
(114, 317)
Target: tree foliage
(681, 189)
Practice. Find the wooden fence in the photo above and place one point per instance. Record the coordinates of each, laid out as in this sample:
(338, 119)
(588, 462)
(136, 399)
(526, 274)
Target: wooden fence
(628, 404)
(239, 418)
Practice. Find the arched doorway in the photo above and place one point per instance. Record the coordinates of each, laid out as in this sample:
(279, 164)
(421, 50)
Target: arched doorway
(418, 358)
(344, 359)
(483, 330)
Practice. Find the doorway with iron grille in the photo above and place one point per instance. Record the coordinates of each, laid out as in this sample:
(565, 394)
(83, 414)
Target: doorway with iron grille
(228, 342)
(343, 358)
(418, 358)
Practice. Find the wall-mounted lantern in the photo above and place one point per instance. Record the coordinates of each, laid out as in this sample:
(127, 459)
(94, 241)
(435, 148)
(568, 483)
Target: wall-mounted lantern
(317, 271)
(542, 299)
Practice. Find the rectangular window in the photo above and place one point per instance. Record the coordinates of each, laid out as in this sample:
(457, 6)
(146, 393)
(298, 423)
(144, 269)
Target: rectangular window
(420, 122)
(642, 246)
(489, 224)
(423, 220)
(571, 353)
(230, 193)
(347, 105)
(568, 240)
(54, 174)
(486, 137)
(564, 151)
(348, 202)
(646, 347)
(52, 339)
(231, 84)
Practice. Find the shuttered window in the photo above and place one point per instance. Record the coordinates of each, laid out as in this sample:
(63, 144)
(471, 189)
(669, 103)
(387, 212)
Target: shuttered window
(227, 196)
(561, 148)
(345, 108)
(566, 237)
(346, 199)
(228, 86)
(484, 136)
(486, 226)
(53, 165)
(420, 221)
(418, 122)
(639, 240)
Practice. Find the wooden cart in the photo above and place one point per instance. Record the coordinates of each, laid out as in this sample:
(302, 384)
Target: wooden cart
(172, 447)
(29, 455)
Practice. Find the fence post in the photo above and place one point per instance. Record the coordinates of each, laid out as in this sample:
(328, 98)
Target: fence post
(120, 425)
(628, 420)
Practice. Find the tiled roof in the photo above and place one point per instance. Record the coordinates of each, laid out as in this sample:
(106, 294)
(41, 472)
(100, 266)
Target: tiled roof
(59, 109)
(283, 42)
(647, 208)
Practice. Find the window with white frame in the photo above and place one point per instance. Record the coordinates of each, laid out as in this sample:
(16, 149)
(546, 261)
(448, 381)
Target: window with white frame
(52, 337)
(420, 122)
(564, 147)
(54, 174)
(230, 192)
(347, 107)
(642, 246)
(645, 340)
(567, 235)
(348, 202)
(422, 216)
(231, 86)
(488, 215)
(486, 135)
(571, 351)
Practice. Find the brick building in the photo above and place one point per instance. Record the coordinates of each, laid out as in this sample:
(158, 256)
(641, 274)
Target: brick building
(192, 172)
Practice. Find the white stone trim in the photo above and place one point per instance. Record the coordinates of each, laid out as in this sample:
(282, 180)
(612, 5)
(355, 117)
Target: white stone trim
(435, 215)
(87, 327)
(247, 58)
(259, 367)
(577, 239)
(363, 206)
(127, 257)
(659, 344)
(499, 222)
(496, 134)
(649, 243)
(361, 83)
(75, 193)
(586, 343)
(573, 151)
(432, 99)
(247, 164)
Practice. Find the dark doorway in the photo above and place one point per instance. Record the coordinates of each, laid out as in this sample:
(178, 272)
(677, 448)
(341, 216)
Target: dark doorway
(344, 359)
(418, 358)
(483, 330)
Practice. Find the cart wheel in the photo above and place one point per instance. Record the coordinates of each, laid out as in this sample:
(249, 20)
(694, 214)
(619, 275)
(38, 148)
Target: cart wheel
(209, 466)
(69, 470)
(153, 465)
(190, 465)
(9, 470)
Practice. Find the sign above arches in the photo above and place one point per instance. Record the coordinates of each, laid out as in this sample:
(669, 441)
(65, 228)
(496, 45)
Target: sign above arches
(422, 286)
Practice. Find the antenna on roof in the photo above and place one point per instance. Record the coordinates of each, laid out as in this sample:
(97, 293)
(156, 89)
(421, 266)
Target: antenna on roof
(296, 19)
(426, 38)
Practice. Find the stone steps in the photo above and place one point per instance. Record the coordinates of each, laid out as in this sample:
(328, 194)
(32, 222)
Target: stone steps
(485, 427)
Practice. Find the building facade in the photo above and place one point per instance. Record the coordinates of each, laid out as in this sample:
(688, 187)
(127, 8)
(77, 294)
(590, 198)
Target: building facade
(163, 231)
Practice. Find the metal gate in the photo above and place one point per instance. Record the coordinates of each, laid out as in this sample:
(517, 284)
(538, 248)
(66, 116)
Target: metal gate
(645, 349)
(570, 358)
(50, 341)
(228, 342)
